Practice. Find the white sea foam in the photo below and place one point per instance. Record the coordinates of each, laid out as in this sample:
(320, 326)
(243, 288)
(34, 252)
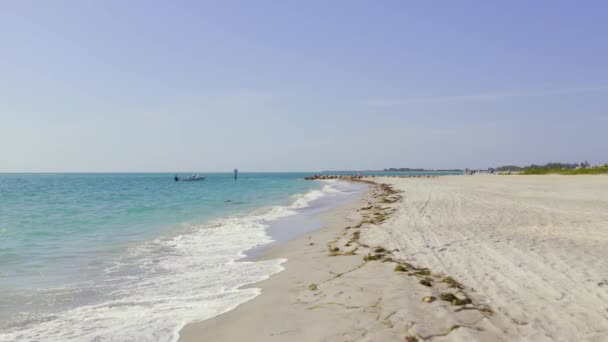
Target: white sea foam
(160, 286)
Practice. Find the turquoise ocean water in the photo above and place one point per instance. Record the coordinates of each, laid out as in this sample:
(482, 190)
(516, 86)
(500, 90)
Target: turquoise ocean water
(53, 224)
(115, 257)
(119, 257)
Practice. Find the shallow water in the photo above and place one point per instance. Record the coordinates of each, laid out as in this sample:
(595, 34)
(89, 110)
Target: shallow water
(114, 257)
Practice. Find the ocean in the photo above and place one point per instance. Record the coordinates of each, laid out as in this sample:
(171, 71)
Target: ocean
(116, 257)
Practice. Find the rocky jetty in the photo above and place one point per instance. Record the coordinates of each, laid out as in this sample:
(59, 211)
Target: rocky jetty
(344, 177)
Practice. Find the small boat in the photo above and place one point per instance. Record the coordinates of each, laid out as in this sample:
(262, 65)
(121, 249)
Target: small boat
(189, 179)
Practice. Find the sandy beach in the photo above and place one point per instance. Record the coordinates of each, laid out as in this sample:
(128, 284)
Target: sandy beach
(458, 258)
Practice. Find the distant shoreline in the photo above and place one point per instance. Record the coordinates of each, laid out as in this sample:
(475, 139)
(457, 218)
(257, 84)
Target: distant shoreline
(394, 170)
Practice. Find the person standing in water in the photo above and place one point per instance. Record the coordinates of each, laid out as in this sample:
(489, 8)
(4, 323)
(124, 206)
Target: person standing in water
(236, 171)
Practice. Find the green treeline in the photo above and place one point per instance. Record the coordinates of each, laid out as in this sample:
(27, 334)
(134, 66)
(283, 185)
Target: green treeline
(556, 168)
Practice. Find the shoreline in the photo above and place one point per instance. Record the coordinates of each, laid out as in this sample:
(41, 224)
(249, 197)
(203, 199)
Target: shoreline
(306, 220)
(287, 250)
(282, 249)
(188, 273)
(323, 260)
(521, 255)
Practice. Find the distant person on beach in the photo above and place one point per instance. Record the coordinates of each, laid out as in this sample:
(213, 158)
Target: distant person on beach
(236, 172)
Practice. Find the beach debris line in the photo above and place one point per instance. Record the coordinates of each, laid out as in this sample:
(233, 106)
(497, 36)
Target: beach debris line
(426, 282)
(451, 282)
(439, 286)
(429, 299)
(400, 268)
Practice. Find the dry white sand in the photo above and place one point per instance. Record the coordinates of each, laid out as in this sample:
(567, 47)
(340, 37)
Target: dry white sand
(536, 247)
(533, 248)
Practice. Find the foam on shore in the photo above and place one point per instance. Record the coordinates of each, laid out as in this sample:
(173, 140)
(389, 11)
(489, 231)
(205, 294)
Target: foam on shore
(156, 288)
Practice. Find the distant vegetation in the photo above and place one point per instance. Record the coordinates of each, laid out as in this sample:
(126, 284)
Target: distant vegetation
(583, 168)
(509, 168)
(580, 171)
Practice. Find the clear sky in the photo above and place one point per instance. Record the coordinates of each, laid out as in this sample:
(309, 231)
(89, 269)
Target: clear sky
(300, 85)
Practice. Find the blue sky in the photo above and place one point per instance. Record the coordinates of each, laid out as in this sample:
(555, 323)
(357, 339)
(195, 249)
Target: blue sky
(300, 85)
